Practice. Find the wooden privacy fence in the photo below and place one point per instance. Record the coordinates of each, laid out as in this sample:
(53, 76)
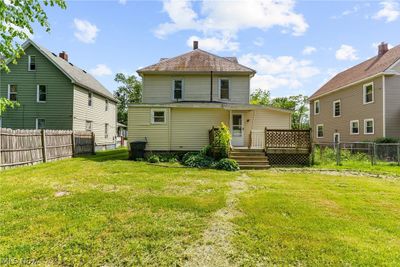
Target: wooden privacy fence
(288, 147)
(24, 147)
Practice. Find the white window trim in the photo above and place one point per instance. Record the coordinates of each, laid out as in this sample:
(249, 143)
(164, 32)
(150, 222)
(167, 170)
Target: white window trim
(365, 126)
(91, 125)
(37, 94)
(365, 93)
(316, 132)
(351, 127)
(219, 89)
(37, 122)
(173, 89)
(333, 108)
(9, 91)
(29, 62)
(334, 135)
(152, 116)
(315, 107)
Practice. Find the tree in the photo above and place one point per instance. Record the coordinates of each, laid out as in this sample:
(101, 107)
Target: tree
(129, 92)
(17, 17)
(260, 97)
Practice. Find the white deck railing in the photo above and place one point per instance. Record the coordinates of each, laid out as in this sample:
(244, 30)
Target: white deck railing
(257, 139)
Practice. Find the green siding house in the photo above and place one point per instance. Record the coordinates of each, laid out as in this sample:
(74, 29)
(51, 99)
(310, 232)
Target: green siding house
(55, 94)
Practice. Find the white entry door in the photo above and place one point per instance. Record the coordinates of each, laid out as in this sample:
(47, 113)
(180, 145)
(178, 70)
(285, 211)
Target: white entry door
(237, 129)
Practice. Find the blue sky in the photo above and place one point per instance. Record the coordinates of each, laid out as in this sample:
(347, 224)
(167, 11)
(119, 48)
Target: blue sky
(295, 46)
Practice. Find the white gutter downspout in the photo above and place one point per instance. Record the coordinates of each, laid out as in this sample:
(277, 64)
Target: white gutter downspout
(384, 105)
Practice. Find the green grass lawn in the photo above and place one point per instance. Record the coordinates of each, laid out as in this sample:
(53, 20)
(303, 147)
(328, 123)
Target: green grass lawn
(105, 210)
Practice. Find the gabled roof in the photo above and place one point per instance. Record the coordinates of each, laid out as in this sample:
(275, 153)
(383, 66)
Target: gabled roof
(78, 76)
(198, 60)
(367, 69)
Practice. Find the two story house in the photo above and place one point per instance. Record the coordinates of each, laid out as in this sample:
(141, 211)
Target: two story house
(361, 103)
(185, 96)
(53, 93)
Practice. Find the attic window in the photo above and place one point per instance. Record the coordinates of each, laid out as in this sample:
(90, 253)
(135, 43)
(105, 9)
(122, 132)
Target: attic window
(31, 63)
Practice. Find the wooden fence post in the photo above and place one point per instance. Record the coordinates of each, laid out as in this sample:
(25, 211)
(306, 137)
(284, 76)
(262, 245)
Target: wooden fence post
(44, 150)
(73, 143)
(93, 144)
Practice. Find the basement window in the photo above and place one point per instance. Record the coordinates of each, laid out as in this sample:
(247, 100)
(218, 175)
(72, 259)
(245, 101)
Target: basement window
(40, 124)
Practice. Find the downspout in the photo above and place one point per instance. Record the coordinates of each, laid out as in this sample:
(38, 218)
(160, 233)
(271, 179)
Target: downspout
(211, 87)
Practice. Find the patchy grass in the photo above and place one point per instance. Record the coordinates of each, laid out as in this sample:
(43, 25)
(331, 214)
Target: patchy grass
(105, 210)
(310, 219)
(381, 168)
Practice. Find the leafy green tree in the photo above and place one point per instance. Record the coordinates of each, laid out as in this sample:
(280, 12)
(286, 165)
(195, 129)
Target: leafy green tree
(260, 97)
(17, 17)
(129, 92)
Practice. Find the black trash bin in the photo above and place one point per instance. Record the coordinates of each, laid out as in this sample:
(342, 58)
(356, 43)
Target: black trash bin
(137, 150)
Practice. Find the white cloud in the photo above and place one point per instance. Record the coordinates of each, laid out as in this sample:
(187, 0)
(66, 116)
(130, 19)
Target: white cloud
(122, 2)
(101, 70)
(85, 31)
(258, 41)
(279, 72)
(227, 18)
(214, 44)
(308, 50)
(346, 52)
(390, 11)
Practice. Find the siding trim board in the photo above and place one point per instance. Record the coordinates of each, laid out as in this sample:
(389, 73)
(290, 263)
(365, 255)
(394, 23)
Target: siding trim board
(383, 105)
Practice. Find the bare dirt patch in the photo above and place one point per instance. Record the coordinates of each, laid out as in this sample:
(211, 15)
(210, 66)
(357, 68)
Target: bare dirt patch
(214, 248)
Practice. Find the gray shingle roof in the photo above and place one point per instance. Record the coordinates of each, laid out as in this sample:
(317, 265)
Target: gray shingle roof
(78, 76)
(198, 61)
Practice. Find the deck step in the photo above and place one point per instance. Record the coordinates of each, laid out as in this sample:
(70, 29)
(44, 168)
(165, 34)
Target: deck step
(250, 159)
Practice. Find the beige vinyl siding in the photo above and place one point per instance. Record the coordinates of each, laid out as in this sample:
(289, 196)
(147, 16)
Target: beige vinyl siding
(140, 127)
(96, 113)
(189, 127)
(392, 106)
(259, 119)
(197, 87)
(352, 108)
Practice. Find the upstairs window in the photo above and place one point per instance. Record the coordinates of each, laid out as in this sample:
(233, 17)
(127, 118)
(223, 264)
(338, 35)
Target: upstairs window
(88, 126)
(106, 130)
(40, 124)
(90, 99)
(369, 126)
(158, 116)
(354, 127)
(337, 108)
(12, 92)
(316, 107)
(31, 63)
(368, 93)
(224, 88)
(41, 93)
(106, 107)
(178, 89)
(320, 131)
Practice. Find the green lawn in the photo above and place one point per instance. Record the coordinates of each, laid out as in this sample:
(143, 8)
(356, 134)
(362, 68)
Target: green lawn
(105, 210)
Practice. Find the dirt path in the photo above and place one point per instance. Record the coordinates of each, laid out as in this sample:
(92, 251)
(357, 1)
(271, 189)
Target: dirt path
(214, 248)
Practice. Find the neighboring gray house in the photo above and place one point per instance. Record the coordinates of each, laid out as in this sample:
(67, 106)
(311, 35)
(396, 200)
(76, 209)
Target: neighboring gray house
(361, 103)
(55, 94)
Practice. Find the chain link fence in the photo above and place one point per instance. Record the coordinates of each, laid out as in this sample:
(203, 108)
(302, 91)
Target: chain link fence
(356, 153)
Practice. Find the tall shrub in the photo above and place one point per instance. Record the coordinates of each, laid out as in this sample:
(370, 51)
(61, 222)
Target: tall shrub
(221, 143)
